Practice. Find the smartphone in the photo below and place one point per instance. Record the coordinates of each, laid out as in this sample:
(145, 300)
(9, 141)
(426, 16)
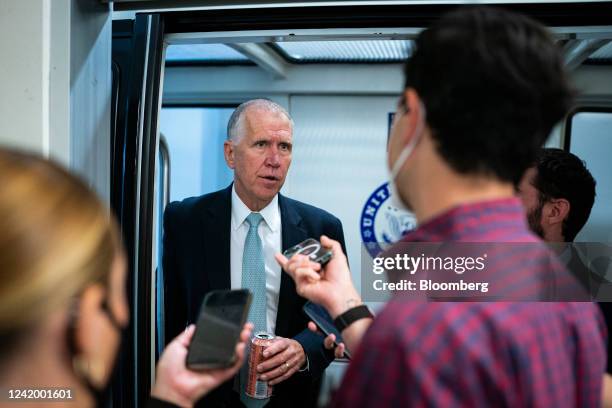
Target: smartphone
(222, 316)
(311, 248)
(324, 322)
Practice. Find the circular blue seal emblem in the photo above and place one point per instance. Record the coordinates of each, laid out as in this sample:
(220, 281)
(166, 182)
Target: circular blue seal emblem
(381, 223)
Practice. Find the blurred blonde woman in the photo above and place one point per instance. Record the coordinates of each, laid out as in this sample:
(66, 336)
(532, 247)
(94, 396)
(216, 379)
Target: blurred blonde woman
(62, 293)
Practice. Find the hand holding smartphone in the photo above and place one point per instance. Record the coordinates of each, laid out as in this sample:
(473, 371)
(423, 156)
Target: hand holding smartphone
(324, 323)
(222, 316)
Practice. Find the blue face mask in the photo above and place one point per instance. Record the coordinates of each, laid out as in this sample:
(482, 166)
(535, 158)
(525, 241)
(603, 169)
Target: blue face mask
(404, 155)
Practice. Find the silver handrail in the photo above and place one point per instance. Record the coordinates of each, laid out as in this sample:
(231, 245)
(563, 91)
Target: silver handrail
(159, 278)
(165, 152)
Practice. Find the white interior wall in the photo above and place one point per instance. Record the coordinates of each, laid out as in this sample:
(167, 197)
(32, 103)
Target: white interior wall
(59, 81)
(31, 58)
(56, 83)
(90, 93)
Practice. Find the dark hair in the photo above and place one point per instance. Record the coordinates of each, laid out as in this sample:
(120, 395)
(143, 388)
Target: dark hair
(561, 174)
(493, 85)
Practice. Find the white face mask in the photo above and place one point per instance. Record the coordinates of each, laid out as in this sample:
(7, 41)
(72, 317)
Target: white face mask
(395, 168)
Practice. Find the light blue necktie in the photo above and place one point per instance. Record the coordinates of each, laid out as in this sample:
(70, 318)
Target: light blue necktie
(254, 279)
(254, 273)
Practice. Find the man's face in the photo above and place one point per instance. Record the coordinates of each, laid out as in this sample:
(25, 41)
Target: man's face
(531, 201)
(260, 157)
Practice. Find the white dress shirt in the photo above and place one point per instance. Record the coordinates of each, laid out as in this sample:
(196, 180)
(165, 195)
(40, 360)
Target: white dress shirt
(270, 234)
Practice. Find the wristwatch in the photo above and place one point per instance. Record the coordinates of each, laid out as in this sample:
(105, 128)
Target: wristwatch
(352, 315)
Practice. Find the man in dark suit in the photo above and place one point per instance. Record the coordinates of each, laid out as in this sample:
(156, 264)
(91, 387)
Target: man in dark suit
(227, 239)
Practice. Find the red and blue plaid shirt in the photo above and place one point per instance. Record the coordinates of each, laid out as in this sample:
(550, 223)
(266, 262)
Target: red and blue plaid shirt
(480, 354)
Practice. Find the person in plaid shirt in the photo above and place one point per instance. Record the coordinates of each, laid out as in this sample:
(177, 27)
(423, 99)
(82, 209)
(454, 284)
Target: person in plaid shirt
(483, 90)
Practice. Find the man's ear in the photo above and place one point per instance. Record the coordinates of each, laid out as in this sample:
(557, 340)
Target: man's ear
(228, 152)
(414, 110)
(557, 211)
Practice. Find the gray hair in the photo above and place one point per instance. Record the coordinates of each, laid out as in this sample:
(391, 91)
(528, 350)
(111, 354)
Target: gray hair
(236, 121)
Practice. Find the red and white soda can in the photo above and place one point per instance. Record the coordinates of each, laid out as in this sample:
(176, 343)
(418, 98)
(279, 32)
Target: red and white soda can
(257, 388)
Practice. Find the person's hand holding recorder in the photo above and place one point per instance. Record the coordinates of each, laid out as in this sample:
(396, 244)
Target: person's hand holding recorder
(330, 287)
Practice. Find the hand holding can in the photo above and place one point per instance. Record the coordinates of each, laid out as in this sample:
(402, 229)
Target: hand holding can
(257, 388)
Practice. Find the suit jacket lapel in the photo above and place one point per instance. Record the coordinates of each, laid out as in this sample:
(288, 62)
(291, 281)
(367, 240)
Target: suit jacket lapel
(292, 233)
(216, 227)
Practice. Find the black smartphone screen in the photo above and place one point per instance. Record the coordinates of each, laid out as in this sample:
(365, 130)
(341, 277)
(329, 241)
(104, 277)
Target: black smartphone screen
(323, 320)
(222, 316)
